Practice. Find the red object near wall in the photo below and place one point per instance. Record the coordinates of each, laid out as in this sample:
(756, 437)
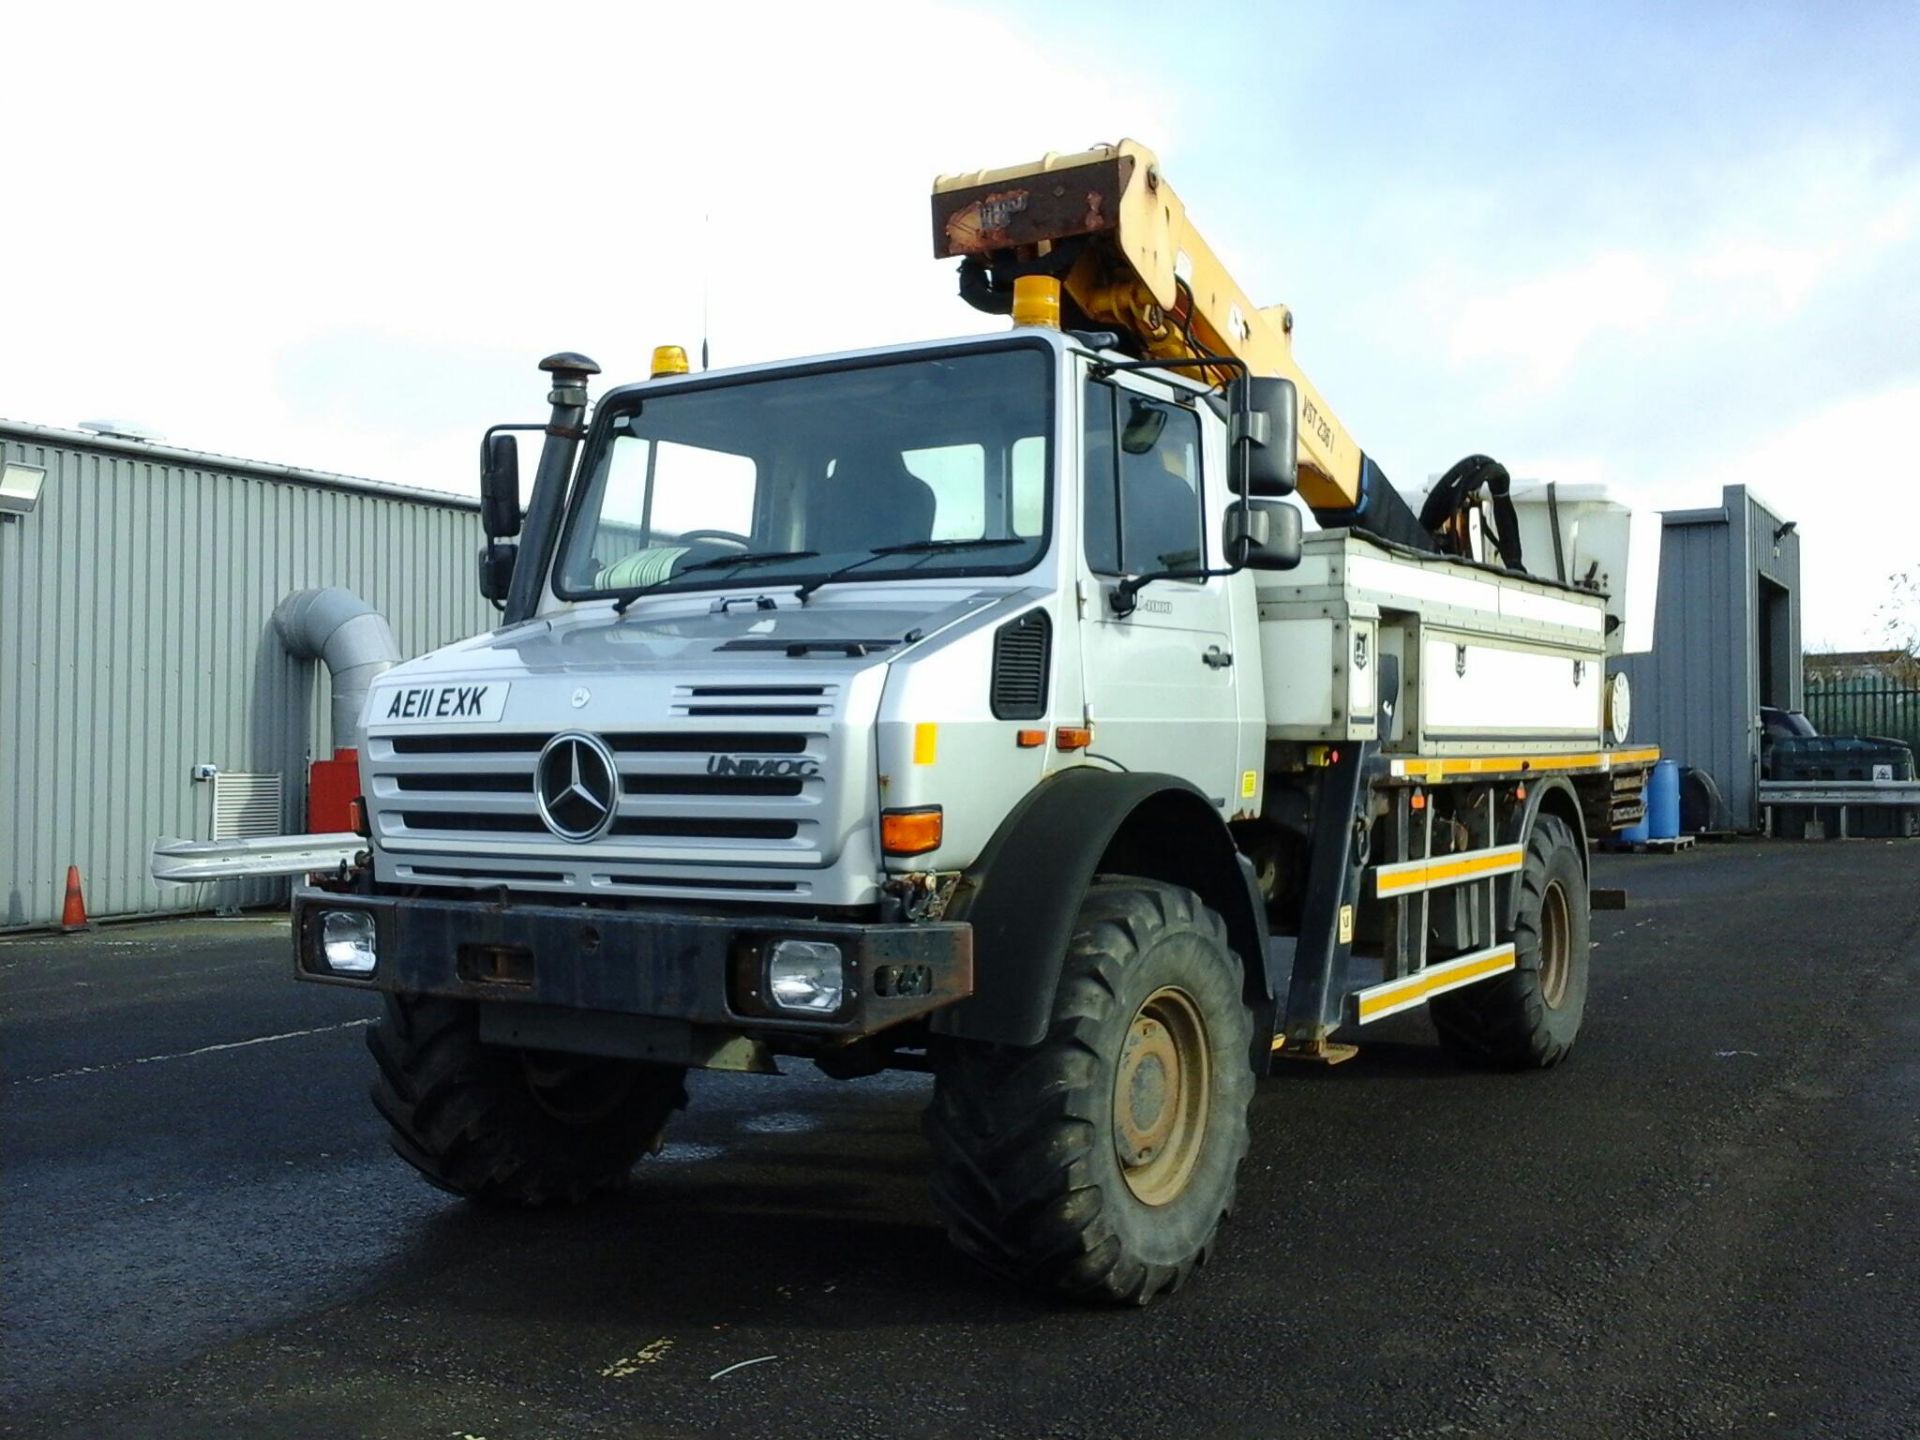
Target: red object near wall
(332, 786)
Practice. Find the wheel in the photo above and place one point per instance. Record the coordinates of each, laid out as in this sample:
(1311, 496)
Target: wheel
(1528, 1017)
(1099, 1164)
(730, 537)
(519, 1127)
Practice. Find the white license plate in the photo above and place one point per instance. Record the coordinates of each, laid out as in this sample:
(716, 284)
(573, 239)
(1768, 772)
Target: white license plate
(467, 703)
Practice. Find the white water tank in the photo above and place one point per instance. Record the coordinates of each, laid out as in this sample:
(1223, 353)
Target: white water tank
(1605, 545)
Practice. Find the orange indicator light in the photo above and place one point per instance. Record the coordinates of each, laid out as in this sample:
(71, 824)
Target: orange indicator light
(911, 832)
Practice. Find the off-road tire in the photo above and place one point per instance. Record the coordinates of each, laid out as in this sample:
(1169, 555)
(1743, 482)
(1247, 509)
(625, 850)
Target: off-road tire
(1528, 1017)
(473, 1120)
(1028, 1175)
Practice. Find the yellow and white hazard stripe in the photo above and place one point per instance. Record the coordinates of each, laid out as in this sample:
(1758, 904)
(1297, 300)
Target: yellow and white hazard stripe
(1407, 877)
(1459, 767)
(1379, 1001)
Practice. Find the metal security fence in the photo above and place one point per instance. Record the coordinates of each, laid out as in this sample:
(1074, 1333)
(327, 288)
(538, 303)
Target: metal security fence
(1864, 705)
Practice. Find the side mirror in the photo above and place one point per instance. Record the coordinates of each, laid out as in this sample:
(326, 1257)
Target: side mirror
(1266, 440)
(500, 486)
(1263, 537)
(496, 569)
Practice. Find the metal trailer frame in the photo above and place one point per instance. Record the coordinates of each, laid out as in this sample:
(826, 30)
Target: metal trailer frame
(1343, 873)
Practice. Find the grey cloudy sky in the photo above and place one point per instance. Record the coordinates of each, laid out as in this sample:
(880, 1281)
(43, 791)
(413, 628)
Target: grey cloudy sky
(1666, 246)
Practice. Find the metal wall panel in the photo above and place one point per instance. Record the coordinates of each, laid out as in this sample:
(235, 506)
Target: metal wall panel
(1697, 693)
(135, 643)
(1775, 556)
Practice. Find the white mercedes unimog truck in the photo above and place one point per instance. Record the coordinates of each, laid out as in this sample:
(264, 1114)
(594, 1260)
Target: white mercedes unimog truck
(976, 708)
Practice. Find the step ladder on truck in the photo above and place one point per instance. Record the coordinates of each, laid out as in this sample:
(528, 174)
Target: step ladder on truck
(976, 707)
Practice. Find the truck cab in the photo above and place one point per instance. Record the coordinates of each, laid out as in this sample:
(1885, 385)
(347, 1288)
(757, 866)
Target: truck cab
(802, 605)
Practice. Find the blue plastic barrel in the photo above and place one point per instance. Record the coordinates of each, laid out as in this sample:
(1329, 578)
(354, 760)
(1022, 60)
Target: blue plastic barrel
(1663, 802)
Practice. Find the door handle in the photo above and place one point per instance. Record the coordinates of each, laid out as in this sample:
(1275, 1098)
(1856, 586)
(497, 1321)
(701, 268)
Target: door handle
(1216, 658)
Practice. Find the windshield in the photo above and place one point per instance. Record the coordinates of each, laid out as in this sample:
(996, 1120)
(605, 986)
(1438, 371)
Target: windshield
(808, 473)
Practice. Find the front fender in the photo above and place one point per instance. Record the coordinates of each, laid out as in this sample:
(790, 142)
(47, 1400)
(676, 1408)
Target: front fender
(1023, 894)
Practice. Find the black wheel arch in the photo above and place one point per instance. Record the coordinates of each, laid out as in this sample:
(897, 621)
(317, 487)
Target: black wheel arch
(1553, 795)
(1022, 894)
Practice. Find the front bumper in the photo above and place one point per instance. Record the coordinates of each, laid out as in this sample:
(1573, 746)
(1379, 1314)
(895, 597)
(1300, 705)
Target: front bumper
(699, 969)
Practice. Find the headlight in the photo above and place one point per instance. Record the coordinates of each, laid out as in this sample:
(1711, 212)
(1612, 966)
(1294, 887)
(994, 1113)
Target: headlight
(806, 975)
(346, 941)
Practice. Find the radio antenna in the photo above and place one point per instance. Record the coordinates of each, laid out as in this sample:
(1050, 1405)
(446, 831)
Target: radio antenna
(706, 280)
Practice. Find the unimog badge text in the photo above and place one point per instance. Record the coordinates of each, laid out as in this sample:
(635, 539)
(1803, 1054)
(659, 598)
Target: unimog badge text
(750, 765)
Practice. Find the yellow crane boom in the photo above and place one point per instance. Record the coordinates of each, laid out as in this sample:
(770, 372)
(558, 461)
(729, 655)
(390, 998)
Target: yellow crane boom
(1107, 224)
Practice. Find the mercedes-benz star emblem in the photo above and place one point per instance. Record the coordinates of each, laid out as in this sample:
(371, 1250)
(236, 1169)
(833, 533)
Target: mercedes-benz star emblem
(580, 697)
(577, 786)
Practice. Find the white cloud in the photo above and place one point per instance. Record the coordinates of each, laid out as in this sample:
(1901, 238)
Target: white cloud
(1542, 325)
(343, 240)
(1829, 472)
(1739, 268)
(341, 236)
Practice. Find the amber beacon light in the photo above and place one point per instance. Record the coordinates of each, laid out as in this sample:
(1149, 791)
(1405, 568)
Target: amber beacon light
(1036, 301)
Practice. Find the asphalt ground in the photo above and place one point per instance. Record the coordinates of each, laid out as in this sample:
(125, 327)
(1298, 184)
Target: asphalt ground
(1705, 1223)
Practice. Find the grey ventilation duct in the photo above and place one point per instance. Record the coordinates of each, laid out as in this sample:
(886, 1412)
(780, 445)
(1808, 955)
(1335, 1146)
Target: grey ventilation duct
(350, 637)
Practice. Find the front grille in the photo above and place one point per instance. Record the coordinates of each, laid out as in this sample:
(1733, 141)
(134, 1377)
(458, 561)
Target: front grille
(688, 797)
(629, 784)
(638, 742)
(470, 784)
(466, 744)
(491, 874)
(701, 827)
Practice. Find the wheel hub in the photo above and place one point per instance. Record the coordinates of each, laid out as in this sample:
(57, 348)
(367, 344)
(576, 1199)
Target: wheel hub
(1160, 1092)
(1556, 945)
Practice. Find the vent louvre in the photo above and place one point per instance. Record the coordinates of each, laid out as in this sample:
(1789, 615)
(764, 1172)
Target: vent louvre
(738, 701)
(246, 807)
(758, 692)
(1022, 650)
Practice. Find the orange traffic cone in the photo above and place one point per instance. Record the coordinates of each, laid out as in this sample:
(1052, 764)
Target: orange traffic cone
(73, 915)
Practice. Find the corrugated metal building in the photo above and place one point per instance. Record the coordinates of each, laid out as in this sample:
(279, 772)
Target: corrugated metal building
(136, 644)
(1726, 641)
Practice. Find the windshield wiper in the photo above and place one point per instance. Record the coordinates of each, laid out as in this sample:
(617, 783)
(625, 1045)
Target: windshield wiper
(718, 562)
(911, 547)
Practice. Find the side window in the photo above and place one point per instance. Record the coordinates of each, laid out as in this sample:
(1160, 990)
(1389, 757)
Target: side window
(957, 476)
(1142, 483)
(1030, 486)
(657, 489)
(980, 492)
(651, 491)
(696, 489)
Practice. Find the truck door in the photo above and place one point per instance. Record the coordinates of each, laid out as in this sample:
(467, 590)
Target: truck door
(1159, 681)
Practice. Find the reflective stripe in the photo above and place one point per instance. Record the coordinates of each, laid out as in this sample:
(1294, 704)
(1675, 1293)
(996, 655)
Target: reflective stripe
(1406, 877)
(1379, 1001)
(1418, 768)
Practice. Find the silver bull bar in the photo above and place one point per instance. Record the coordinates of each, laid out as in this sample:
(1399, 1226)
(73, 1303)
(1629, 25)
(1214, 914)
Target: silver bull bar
(185, 862)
